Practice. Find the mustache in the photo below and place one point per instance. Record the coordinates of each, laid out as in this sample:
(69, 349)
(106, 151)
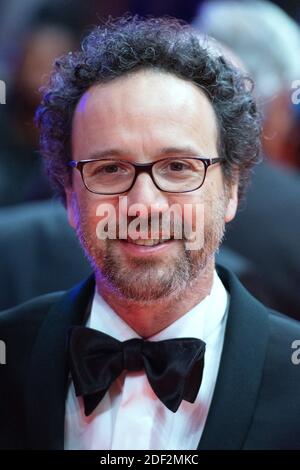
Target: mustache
(178, 222)
(145, 229)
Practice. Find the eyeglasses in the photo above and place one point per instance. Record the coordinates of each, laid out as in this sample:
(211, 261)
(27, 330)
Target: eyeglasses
(173, 175)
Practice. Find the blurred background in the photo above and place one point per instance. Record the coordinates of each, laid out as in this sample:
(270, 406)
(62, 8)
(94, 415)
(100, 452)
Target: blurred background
(39, 252)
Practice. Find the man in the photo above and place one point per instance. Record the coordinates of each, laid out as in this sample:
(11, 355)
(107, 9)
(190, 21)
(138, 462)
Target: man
(153, 121)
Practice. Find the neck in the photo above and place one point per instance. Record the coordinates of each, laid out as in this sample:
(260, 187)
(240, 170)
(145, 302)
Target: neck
(148, 318)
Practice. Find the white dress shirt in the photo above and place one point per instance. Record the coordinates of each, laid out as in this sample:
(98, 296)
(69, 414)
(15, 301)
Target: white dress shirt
(130, 416)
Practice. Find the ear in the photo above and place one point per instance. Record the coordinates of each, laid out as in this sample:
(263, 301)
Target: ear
(70, 207)
(232, 202)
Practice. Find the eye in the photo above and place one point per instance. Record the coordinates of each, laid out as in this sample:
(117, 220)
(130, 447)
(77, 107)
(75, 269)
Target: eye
(111, 168)
(178, 165)
(107, 168)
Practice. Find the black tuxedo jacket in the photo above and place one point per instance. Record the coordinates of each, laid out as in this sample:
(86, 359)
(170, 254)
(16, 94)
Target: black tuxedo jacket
(256, 403)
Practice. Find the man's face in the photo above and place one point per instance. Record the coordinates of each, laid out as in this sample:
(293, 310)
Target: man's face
(141, 118)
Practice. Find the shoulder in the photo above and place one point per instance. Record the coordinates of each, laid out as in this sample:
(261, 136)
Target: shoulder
(32, 307)
(283, 352)
(282, 325)
(261, 363)
(284, 341)
(276, 417)
(276, 335)
(255, 320)
(21, 324)
(22, 321)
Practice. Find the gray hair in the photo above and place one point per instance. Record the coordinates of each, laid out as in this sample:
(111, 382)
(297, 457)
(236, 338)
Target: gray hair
(265, 38)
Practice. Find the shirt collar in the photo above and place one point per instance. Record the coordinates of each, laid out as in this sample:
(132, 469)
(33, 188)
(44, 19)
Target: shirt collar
(199, 322)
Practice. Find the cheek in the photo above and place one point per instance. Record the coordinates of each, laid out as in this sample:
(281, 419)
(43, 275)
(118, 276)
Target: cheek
(209, 207)
(191, 209)
(99, 217)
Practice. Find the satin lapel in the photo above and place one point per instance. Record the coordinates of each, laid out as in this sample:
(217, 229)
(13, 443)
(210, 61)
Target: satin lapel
(240, 372)
(48, 373)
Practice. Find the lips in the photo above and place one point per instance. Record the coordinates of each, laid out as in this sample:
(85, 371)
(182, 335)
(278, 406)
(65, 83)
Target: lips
(145, 247)
(147, 242)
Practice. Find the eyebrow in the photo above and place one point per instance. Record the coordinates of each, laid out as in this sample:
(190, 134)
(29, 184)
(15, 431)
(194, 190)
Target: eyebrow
(165, 151)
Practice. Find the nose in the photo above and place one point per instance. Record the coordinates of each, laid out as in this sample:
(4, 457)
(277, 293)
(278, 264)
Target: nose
(147, 196)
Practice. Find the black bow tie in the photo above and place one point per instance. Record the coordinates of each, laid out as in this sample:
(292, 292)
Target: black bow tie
(174, 367)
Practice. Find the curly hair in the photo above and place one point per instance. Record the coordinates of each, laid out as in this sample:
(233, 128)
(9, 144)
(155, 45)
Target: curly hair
(128, 44)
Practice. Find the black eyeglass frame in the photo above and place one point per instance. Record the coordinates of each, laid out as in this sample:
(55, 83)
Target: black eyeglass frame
(145, 168)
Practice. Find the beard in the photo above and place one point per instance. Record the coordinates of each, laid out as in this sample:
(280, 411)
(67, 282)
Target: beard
(143, 279)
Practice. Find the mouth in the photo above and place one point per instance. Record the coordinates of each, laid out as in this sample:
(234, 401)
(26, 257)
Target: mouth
(144, 247)
(148, 242)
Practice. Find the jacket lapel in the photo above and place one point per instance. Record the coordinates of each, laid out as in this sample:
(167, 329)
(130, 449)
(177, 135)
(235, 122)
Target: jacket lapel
(240, 372)
(48, 373)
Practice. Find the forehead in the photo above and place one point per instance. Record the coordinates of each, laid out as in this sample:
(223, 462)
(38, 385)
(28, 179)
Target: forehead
(149, 106)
